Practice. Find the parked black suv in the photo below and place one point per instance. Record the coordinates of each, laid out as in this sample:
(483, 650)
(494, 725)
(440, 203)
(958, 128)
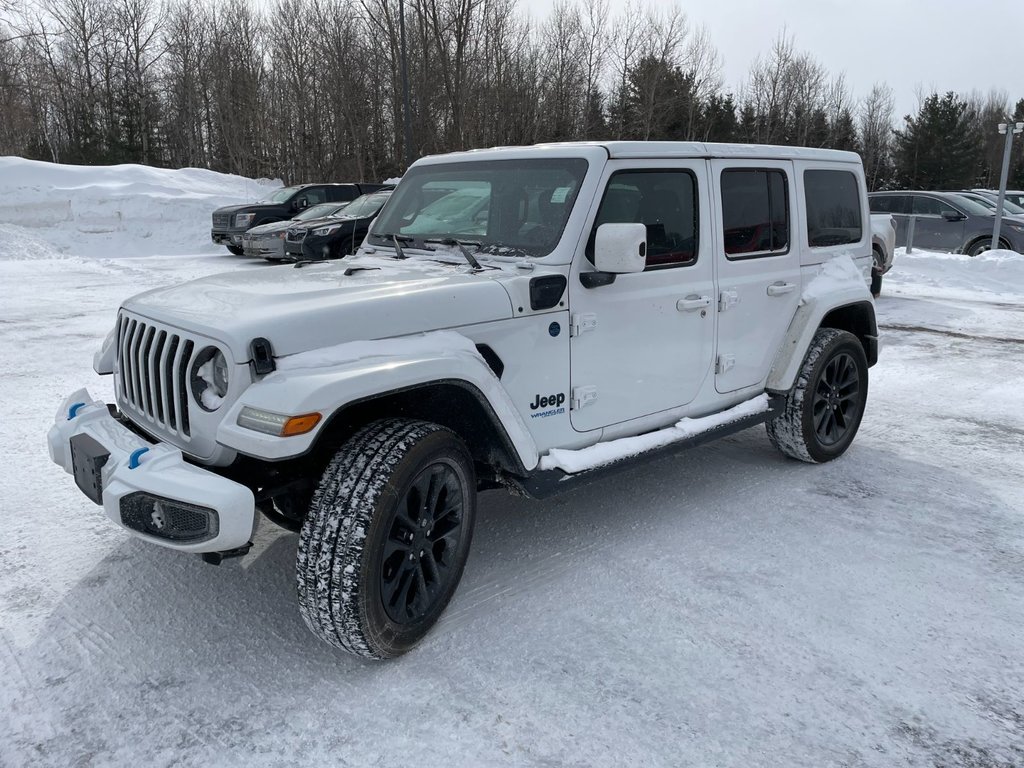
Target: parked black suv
(337, 236)
(231, 221)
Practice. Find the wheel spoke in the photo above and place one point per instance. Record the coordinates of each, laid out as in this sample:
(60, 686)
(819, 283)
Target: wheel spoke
(398, 594)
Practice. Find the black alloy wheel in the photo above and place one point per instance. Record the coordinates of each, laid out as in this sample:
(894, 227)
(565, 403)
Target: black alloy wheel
(837, 401)
(419, 554)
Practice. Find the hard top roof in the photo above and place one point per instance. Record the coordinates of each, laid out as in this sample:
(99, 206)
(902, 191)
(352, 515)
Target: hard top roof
(666, 149)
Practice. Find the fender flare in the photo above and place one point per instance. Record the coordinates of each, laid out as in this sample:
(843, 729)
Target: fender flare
(855, 298)
(333, 380)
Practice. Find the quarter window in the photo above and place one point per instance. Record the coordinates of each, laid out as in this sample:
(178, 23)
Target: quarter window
(833, 208)
(665, 202)
(755, 212)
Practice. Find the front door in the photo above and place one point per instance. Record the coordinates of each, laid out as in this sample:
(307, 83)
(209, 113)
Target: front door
(758, 267)
(938, 226)
(643, 343)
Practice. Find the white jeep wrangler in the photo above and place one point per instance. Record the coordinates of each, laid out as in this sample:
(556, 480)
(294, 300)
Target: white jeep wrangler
(524, 318)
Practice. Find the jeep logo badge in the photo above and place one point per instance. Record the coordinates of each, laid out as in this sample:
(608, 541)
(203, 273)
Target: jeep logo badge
(550, 401)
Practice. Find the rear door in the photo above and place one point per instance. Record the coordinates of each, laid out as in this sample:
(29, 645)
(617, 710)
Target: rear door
(758, 267)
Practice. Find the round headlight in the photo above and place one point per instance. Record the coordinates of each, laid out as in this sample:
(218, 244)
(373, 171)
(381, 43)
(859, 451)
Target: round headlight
(210, 378)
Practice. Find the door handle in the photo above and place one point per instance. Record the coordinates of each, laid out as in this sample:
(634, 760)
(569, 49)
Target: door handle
(693, 302)
(778, 289)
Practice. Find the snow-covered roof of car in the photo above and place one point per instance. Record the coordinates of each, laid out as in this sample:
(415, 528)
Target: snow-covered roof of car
(659, 149)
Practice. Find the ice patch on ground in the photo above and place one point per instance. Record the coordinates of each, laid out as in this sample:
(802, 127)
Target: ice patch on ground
(113, 211)
(615, 450)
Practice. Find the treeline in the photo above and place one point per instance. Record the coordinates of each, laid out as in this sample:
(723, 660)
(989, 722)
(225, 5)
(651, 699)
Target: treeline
(312, 89)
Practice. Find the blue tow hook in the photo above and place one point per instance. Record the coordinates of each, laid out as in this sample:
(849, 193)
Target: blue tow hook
(133, 460)
(73, 410)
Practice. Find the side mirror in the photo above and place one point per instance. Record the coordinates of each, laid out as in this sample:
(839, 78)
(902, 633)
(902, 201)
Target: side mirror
(620, 248)
(953, 216)
(301, 204)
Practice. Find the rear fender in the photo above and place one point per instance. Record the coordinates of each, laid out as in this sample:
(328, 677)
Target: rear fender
(837, 298)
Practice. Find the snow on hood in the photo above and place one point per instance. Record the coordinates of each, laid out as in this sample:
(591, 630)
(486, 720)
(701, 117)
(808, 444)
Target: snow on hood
(434, 344)
(319, 306)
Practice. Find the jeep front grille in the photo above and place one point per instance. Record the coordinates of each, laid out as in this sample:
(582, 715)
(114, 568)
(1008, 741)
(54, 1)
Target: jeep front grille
(153, 373)
(221, 220)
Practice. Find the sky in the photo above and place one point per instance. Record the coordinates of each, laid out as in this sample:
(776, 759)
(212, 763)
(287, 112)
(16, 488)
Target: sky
(913, 45)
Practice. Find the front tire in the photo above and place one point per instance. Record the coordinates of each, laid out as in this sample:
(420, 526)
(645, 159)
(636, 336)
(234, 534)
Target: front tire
(237, 250)
(386, 538)
(824, 408)
(979, 247)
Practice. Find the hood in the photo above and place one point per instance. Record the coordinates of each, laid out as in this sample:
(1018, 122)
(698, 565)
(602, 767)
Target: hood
(272, 227)
(312, 223)
(247, 207)
(319, 305)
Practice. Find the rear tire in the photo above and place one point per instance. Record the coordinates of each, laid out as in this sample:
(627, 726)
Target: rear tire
(877, 270)
(824, 408)
(386, 538)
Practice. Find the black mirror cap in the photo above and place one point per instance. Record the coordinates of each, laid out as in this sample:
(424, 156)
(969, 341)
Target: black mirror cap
(546, 291)
(949, 216)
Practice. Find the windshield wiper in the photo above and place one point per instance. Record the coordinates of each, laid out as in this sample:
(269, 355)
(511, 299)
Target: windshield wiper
(462, 247)
(397, 240)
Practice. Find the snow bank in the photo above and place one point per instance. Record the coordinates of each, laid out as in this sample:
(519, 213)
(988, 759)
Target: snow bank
(112, 211)
(953, 275)
(615, 450)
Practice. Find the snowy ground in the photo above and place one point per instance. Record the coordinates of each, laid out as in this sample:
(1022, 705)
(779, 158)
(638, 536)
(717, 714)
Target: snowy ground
(725, 607)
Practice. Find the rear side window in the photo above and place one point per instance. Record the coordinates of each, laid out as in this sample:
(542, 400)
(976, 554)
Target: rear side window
(341, 193)
(833, 208)
(755, 212)
(890, 204)
(665, 202)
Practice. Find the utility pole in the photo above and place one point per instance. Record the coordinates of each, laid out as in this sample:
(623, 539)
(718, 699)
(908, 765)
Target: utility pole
(1010, 130)
(406, 128)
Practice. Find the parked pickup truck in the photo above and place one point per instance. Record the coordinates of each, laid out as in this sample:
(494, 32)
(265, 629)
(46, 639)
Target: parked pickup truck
(883, 247)
(604, 303)
(232, 221)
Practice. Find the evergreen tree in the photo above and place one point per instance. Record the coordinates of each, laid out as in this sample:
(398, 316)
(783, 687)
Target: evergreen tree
(938, 148)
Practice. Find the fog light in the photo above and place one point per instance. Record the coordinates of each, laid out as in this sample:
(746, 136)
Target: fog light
(168, 518)
(276, 424)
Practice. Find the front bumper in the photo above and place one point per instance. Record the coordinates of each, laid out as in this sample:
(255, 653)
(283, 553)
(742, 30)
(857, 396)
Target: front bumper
(148, 488)
(226, 238)
(263, 247)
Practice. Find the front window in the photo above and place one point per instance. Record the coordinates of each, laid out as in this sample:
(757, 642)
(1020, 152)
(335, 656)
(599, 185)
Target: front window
(507, 207)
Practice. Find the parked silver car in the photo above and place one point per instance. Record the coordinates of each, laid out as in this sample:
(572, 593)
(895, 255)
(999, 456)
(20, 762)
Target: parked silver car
(267, 240)
(946, 221)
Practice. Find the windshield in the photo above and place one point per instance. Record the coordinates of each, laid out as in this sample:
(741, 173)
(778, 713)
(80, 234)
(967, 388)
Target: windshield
(1008, 206)
(972, 206)
(505, 206)
(321, 211)
(365, 205)
(281, 195)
